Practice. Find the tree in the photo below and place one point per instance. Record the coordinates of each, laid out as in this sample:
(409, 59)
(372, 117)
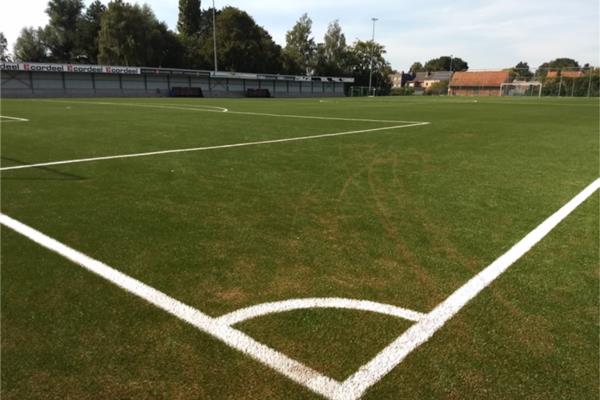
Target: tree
(332, 54)
(131, 35)
(30, 47)
(242, 45)
(361, 62)
(61, 35)
(521, 72)
(446, 63)
(300, 48)
(558, 64)
(416, 67)
(4, 56)
(190, 17)
(88, 29)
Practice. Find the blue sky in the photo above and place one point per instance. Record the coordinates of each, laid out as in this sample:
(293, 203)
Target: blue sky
(486, 33)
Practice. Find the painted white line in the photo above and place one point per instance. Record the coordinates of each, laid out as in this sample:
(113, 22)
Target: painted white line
(200, 107)
(238, 340)
(206, 148)
(419, 333)
(12, 119)
(329, 302)
(367, 375)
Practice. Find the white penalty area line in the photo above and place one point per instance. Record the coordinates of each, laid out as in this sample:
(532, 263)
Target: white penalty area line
(206, 148)
(6, 118)
(206, 108)
(370, 373)
(234, 338)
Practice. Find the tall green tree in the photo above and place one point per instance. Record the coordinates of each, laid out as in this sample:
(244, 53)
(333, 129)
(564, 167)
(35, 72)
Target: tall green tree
(416, 67)
(190, 18)
(4, 56)
(557, 64)
(332, 54)
(300, 48)
(446, 63)
(88, 29)
(131, 35)
(361, 61)
(61, 33)
(521, 72)
(243, 45)
(30, 46)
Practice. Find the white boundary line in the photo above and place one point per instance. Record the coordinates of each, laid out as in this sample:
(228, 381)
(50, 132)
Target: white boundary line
(199, 107)
(232, 337)
(193, 149)
(329, 302)
(367, 375)
(419, 333)
(12, 119)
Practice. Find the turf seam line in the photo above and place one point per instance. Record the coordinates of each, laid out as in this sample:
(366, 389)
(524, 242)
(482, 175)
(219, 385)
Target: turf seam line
(259, 310)
(206, 148)
(370, 373)
(234, 338)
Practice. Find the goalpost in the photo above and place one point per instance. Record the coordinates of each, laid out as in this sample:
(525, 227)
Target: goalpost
(521, 89)
(362, 91)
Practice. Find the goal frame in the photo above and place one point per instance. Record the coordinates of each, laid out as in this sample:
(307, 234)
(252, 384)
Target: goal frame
(537, 85)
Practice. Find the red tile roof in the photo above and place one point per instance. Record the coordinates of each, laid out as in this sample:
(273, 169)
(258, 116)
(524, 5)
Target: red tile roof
(484, 78)
(565, 74)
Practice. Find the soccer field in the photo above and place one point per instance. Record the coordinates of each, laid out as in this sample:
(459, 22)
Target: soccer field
(374, 248)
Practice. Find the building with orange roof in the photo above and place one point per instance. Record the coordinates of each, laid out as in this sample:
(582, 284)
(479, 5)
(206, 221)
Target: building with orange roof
(480, 83)
(553, 74)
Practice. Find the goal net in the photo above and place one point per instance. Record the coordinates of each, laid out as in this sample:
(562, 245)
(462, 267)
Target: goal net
(358, 91)
(521, 89)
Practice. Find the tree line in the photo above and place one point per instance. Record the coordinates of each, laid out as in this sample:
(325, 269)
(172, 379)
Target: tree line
(122, 33)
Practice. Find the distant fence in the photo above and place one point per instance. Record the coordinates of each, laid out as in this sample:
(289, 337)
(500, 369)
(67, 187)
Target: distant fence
(71, 80)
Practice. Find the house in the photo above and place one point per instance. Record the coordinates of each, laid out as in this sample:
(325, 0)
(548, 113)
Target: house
(553, 74)
(483, 83)
(399, 79)
(423, 80)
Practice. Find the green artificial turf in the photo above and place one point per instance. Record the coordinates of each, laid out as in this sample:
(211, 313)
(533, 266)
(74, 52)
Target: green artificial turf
(401, 217)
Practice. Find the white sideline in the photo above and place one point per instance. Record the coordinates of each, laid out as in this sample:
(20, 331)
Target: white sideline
(238, 340)
(13, 119)
(370, 373)
(328, 302)
(202, 108)
(193, 149)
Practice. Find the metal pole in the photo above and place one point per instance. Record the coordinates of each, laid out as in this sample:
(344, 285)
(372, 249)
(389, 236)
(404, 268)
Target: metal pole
(591, 72)
(215, 35)
(560, 84)
(372, 55)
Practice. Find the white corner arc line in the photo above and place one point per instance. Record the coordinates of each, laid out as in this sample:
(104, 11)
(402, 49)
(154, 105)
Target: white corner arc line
(370, 373)
(206, 148)
(259, 310)
(238, 340)
(11, 119)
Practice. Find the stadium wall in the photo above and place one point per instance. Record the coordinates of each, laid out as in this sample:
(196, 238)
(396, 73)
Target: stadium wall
(22, 80)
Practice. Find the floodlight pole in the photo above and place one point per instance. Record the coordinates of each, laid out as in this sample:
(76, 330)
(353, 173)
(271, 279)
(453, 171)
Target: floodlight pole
(372, 55)
(215, 35)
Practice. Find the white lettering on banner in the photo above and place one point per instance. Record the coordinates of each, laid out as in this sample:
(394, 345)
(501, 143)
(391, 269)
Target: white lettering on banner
(81, 68)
